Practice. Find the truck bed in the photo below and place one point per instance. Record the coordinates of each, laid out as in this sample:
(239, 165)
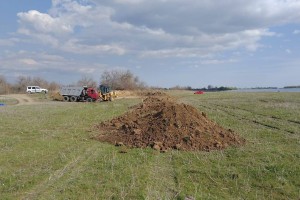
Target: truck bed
(70, 91)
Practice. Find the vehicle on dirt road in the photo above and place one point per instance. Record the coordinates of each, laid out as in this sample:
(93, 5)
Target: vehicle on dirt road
(35, 89)
(75, 94)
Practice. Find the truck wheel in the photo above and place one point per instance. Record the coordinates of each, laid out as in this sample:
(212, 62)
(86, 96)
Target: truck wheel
(66, 98)
(73, 99)
(89, 100)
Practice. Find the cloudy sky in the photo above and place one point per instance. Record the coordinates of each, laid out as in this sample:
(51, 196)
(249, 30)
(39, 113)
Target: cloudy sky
(165, 42)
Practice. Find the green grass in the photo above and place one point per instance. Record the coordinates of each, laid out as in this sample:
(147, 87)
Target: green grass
(46, 152)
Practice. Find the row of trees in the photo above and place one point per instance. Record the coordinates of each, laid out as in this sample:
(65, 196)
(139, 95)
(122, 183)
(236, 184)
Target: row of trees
(22, 82)
(209, 88)
(116, 79)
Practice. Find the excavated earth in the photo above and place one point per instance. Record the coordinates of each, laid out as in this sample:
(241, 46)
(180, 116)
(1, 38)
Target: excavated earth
(161, 123)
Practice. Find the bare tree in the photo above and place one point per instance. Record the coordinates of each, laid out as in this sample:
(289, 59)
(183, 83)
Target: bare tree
(121, 80)
(22, 82)
(4, 85)
(53, 86)
(87, 81)
(39, 82)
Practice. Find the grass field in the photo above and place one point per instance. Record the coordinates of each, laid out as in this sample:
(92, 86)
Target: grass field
(46, 152)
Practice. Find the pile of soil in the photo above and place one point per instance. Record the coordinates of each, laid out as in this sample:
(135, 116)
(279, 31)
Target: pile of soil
(161, 123)
(55, 96)
(136, 93)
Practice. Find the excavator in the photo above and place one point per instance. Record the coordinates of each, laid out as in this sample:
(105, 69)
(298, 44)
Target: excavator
(106, 94)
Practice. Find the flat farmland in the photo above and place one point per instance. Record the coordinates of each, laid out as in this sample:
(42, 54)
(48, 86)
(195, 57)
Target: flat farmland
(46, 152)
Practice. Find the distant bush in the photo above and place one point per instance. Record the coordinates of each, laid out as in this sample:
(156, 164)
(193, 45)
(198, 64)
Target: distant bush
(177, 87)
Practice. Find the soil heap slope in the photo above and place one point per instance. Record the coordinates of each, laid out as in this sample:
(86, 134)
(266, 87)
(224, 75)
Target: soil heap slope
(161, 123)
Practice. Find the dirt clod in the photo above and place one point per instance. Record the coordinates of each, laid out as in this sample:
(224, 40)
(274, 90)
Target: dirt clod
(119, 144)
(161, 123)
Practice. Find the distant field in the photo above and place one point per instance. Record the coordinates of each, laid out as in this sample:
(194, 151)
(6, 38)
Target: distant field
(46, 152)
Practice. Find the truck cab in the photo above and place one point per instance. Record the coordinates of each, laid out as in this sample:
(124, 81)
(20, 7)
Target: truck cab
(92, 93)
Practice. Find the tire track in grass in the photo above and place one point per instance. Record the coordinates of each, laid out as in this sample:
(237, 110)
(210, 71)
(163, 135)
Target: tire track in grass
(259, 114)
(248, 120)
(242, 118)
(262, 115)
(162, 178)
(58, 174)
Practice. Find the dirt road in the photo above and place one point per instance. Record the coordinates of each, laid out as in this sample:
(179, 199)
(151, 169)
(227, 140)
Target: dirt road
(23, 99)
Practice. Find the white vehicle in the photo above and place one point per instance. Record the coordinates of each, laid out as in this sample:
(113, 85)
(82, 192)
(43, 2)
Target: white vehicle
(35, 89)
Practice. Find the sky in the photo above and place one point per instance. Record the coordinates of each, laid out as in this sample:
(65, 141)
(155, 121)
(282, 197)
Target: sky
(165, 43)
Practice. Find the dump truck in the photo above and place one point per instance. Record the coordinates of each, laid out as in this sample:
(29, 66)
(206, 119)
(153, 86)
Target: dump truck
(106, 94)
(75, 94)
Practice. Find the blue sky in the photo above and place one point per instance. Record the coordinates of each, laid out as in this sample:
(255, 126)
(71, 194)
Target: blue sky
(164, 42)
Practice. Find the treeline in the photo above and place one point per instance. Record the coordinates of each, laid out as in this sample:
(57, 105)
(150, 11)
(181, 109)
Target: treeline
(116, 79)
(262, 88)
(22, 82)
(209, 88)
(296, 86)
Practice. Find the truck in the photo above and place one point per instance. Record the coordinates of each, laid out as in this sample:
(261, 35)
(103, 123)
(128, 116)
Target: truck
(75, 94)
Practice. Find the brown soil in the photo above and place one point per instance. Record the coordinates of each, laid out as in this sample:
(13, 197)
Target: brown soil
(133, 93)
(161, 123)
(56, 96)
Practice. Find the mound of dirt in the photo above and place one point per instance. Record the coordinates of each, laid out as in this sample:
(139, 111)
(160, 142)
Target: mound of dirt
(136, 93)
(55, 96)
(161, 123)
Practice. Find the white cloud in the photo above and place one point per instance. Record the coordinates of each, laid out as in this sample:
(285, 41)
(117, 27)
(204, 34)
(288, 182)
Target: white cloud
(192, 17)
(159, 28)
(23, 62)
(201, 45)
(78, 47)
(288, 51)
(217, 61)
(43, 23)
(87, 70)
(8, 42)
(129, 1)
(296, 32)
(28, 61)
